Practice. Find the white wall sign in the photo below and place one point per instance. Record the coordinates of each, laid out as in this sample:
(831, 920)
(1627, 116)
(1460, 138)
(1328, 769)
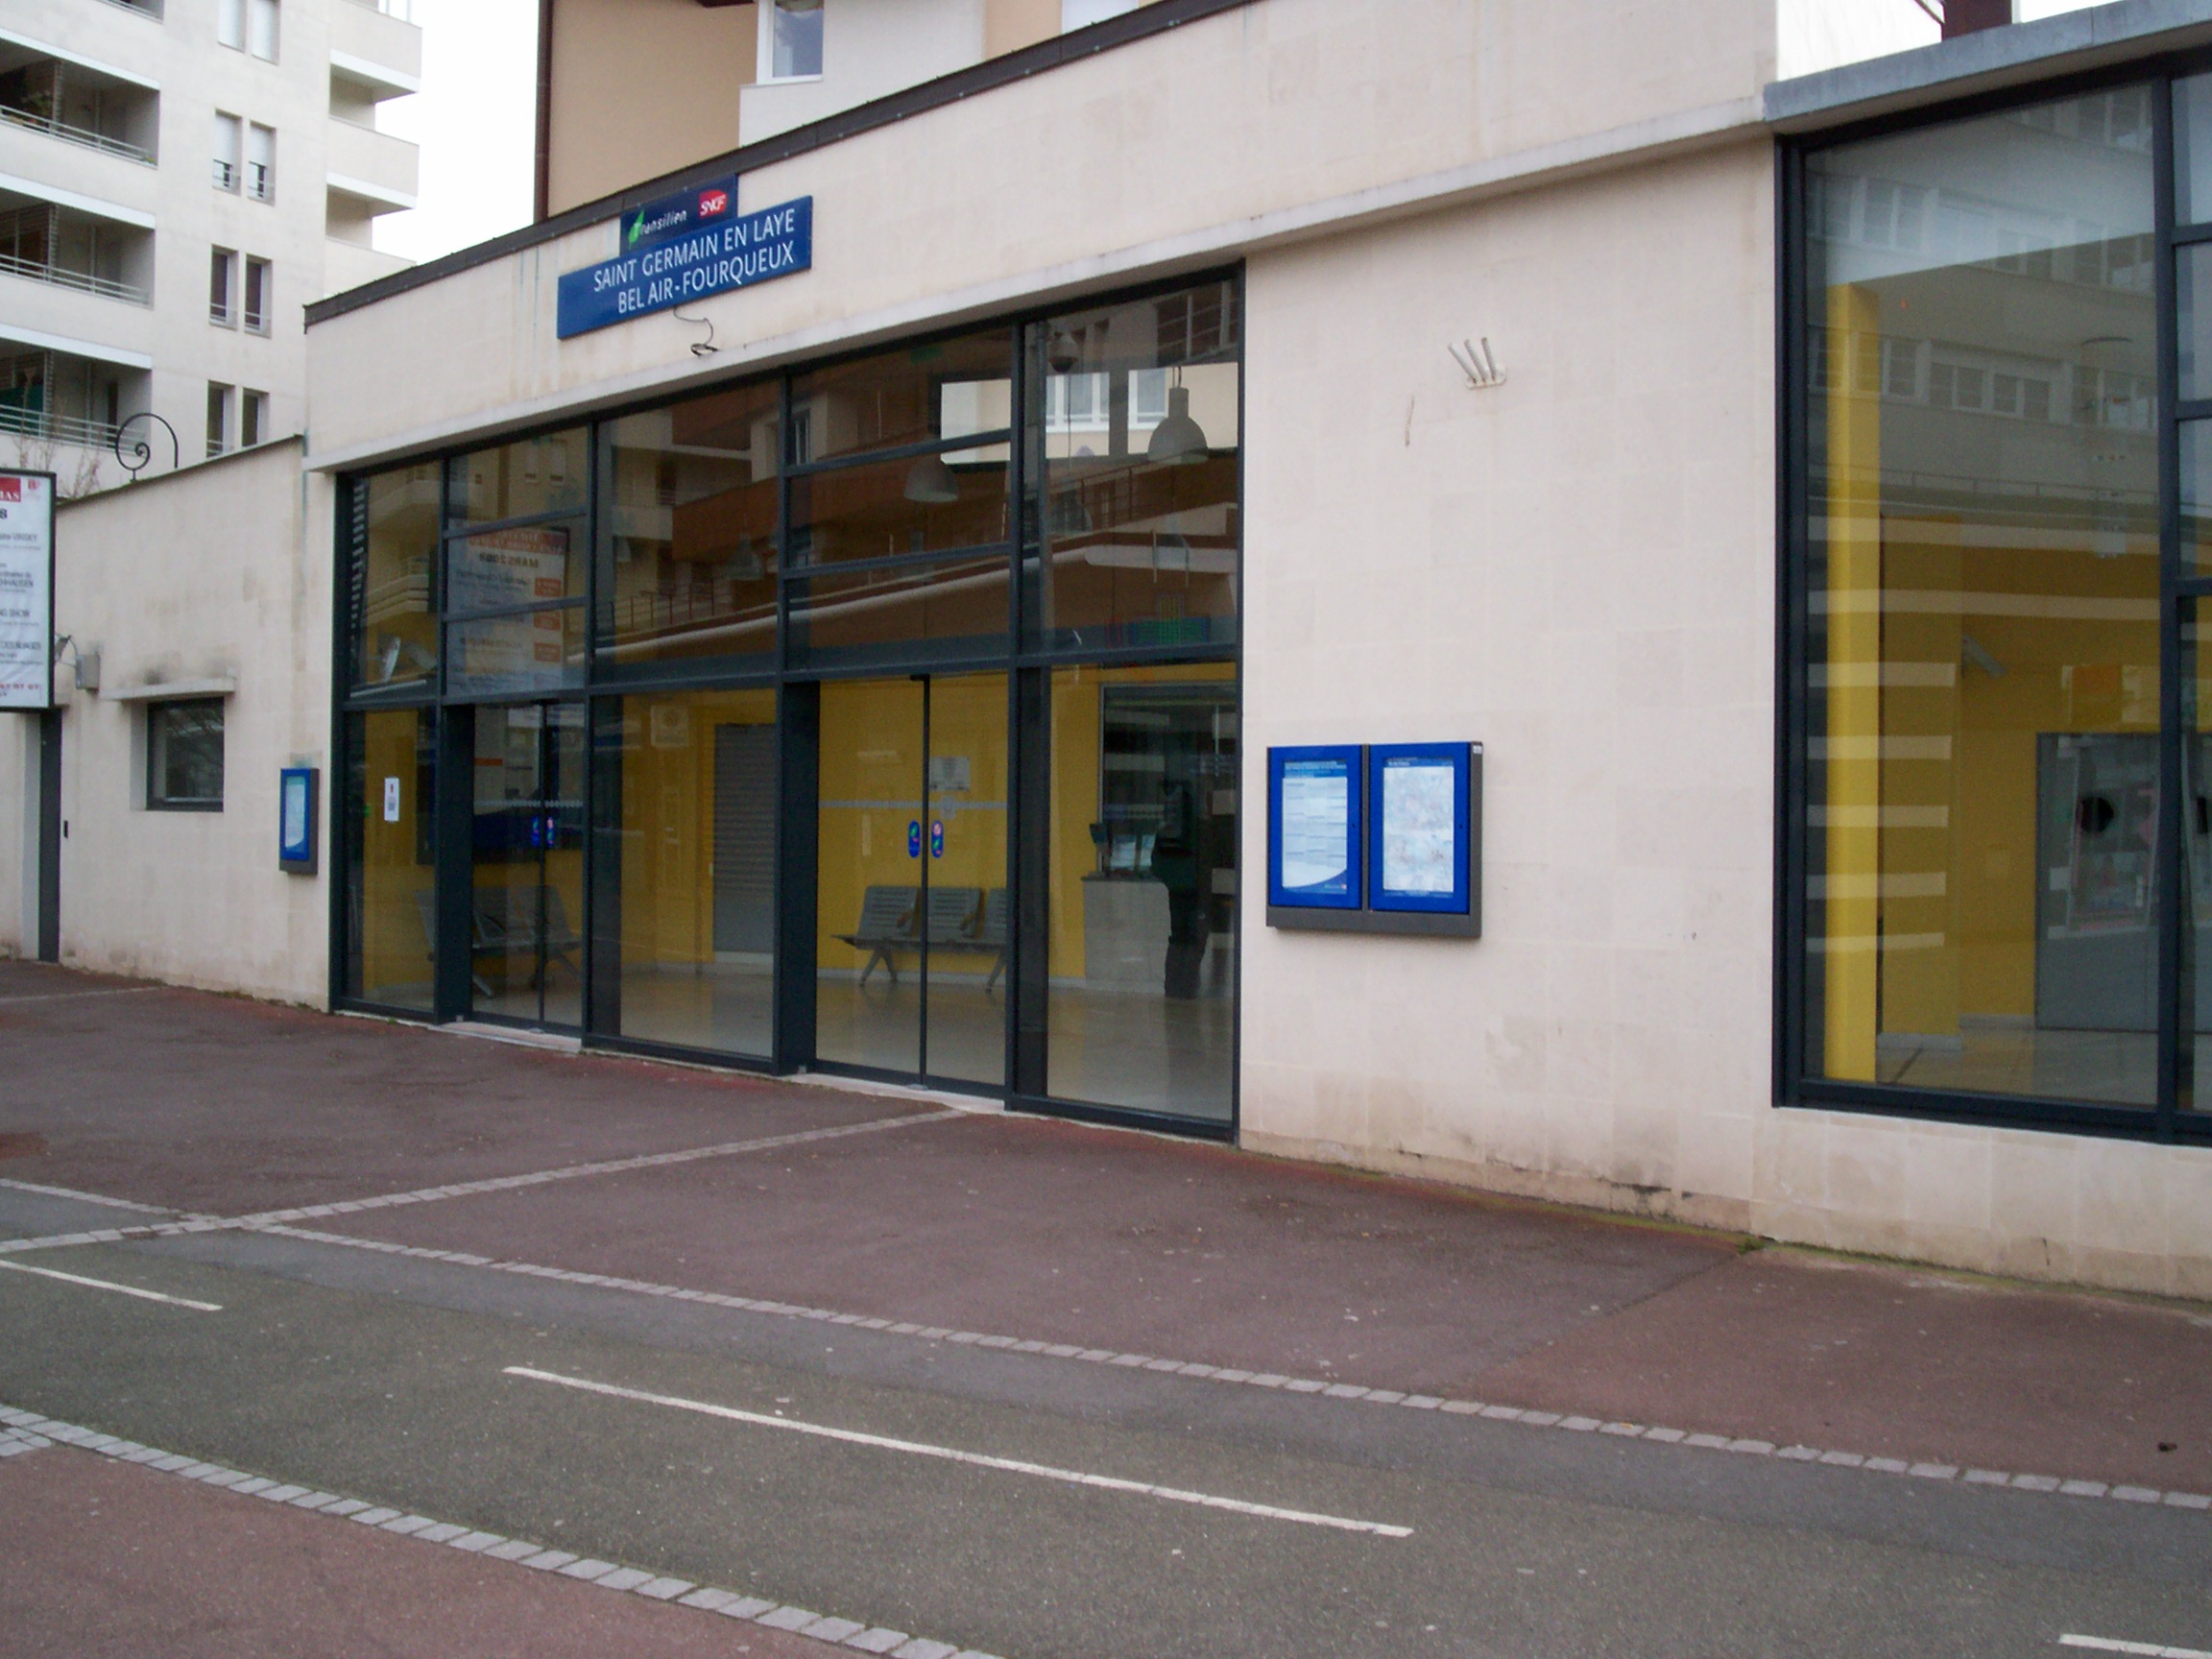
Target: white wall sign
(26, 590)
(390, 800)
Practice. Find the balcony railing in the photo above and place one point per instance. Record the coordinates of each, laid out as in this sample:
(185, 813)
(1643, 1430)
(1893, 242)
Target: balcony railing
(226, 174)
(84, 282)
(58, 428)
(260, 182)
(69, 135)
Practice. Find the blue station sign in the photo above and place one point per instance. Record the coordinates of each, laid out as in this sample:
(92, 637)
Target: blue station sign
(734, 253)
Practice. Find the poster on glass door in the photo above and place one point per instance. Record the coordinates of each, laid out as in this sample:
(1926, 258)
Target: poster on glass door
(501, 570)
(26, 589)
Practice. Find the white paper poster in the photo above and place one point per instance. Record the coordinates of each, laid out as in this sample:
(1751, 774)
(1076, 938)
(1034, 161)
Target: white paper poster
(26, 590)
(1418, 813)
(1316, 825)
(498, 571)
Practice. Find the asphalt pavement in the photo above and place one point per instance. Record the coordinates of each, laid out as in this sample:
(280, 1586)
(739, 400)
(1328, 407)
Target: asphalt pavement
(382, 1316)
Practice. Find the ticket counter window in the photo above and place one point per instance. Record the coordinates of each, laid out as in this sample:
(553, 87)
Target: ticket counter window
(1144, 889)
(686, 899)
(391, 923)
(1983, 816)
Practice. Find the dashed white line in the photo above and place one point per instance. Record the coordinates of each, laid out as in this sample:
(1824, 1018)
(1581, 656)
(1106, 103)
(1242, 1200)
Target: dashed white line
(974, 1460)
(110, 1285)
(73, 995)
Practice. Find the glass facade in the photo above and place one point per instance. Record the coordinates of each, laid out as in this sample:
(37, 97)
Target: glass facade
(1995, 821)
(755, 715)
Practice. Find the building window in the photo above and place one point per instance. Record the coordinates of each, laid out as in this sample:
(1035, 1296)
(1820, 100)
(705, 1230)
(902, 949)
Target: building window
(222, 287)
(1081, 13)
(261, 162)
(230, 145)
(1996, 837)
(791, 39)
(261, 29)
(230, 24)
(218, 418)
(259, 278)
(252, 419)
(184, 756)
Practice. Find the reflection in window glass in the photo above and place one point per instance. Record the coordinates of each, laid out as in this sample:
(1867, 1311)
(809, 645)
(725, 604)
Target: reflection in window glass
(687, 787)
(523, 479)
(2193, 150)
(1145, 888)
(1984, 599)
(502, 569)
(184, 754)
(889, 509)
(391, 931)
(533, 651)
(394, 579)
(941, 609)
(1140, 520)
(794, 38)
(691, 563)
(945, 390)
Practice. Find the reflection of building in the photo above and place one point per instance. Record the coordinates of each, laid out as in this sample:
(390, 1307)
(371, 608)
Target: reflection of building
(177, 183)
(885, 685)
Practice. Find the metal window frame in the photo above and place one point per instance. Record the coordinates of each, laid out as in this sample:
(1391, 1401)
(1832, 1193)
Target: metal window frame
(1027, 666)
(2170, 1117)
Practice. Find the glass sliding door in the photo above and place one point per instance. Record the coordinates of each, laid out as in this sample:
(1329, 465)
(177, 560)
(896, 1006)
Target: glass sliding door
(687, 785)
(526, 854)
(911, 906)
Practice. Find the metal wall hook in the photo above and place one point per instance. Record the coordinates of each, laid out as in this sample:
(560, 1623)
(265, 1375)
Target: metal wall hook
(142, 449)
(700, 347)
(1479, 366)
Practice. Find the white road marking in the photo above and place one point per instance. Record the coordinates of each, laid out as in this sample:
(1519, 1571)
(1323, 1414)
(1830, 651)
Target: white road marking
(110, 1285)
(2149, 1649)
(264, 1219)
(974, 1459)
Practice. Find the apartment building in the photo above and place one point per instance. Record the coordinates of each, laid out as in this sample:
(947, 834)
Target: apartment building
(179, 178)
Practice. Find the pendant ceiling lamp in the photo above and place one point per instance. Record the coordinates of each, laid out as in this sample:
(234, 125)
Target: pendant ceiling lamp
(932, 482)
(1177, 441)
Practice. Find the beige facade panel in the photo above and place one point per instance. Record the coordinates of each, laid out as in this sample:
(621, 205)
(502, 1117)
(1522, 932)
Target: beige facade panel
(641, 88)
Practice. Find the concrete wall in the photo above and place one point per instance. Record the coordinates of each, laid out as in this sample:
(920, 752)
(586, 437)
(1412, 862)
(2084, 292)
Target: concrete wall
(1255, 125)
(201, 574)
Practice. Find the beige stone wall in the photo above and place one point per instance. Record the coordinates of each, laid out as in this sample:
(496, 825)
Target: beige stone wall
(199, 574)
(1274, 121)
(641, 87)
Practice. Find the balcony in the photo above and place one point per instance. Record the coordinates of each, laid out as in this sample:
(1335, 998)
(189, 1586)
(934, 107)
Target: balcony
(379, 47)
(43, 242)
(77, 102)
(57, 397)
(373, 171)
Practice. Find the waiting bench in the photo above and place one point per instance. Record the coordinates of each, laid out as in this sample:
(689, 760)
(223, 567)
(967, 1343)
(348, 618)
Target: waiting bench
(958, 919)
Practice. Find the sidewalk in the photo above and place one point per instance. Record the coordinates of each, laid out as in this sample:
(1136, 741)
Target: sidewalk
(1047, 1233)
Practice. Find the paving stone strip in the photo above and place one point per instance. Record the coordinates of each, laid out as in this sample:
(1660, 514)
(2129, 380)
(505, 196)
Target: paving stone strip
(23, 1432)
(1527, 1418)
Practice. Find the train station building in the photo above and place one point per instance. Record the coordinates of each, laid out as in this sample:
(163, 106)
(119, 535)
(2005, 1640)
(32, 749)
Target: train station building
(844, 604)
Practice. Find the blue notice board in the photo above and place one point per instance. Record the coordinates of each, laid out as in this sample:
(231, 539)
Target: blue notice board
(1419, 827)
(296, 793)
(1313, 842)
(721, 254)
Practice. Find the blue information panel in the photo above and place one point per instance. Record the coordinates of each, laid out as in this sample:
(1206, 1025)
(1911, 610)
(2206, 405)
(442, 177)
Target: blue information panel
(719, 257)
(296, 820)
(1418, 827)
(1313, 841)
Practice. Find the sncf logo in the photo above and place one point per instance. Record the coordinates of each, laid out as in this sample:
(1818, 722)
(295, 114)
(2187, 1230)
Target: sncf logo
(11, 488)
(713, 201)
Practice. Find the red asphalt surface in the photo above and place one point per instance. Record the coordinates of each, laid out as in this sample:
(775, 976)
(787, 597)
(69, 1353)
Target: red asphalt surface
(1065, 1232)
(107, 1560)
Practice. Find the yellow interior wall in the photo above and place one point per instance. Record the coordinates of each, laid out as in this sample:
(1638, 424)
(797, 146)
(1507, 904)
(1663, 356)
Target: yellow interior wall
(1852, 836)
(395, 949)
(668, 822)
(872, 750)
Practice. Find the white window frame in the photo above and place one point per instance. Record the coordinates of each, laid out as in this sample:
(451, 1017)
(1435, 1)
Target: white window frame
(230, 161)
(261, 29)
(252, 419)
(252, 321)
(222, 418)
(764, 52)
(223, 273)
(263, 188)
